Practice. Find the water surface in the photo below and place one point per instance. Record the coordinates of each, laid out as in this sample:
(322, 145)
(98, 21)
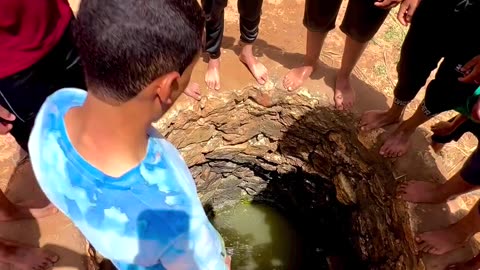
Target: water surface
(259, 237)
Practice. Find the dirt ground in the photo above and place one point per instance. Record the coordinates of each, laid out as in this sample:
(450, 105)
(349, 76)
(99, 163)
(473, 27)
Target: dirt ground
(280, 47)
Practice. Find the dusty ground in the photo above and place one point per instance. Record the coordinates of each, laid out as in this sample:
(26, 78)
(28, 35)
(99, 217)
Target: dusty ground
(281, 47)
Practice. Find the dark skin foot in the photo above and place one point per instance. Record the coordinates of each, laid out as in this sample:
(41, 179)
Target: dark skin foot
(396, 145)
(296, 77)
(344, 95)
(437, 147)
(258, 70)
(376, 119)
(443, 128)
(442, 241)
(25, 257)
(420, 192)
(212, 77)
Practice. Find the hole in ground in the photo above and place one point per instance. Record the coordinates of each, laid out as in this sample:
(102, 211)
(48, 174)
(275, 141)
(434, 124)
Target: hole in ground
(292, 152)
(294, 222)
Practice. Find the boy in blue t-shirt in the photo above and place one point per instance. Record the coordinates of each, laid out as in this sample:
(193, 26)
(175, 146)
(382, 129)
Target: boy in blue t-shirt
(95, 154)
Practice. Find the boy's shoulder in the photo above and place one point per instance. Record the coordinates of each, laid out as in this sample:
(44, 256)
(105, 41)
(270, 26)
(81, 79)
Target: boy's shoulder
(66, 97)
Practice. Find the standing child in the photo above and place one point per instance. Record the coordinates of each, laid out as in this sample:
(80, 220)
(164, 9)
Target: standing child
(250, 13)
(98, 159)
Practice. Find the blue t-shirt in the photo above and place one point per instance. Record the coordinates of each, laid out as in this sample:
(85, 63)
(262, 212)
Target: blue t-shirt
(149, 218)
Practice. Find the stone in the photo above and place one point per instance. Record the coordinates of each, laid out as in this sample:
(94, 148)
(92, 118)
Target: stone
(345, 191)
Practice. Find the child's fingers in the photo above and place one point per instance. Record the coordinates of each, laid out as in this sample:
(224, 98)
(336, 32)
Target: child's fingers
(472, 77)
(6, 115)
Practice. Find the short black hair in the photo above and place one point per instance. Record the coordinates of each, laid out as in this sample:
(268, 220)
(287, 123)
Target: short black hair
(124, 45)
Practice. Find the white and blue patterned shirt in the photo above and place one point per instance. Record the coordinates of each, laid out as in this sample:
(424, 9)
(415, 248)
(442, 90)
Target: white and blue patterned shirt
(149, 218)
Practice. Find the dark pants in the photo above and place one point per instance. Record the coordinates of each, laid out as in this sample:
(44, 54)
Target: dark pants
(250, 12)
(24, 93)
(439, 29)
(361, 22)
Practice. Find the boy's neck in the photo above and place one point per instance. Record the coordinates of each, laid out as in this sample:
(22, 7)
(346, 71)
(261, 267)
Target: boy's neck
(112, 138)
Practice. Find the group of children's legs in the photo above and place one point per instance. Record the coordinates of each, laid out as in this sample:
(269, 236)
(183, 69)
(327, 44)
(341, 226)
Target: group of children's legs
(438, 30)
(361, 22)
(427, 42)
(249, 21)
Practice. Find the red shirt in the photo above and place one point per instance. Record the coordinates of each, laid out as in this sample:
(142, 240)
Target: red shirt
(29, 29)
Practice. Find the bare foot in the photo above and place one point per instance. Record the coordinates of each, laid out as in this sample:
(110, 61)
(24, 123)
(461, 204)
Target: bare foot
(212, 77)
(296, 77)
(442, 128)
(376, 119)
(437, 147)
(258, 70)
(27, 258)
(16, 212)
(396, 145)
(193, 91)
(442, 241)
(344, 96)
(473, 264)
(420, 192)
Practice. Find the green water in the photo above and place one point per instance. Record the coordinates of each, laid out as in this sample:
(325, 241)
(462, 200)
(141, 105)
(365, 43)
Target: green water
(259, 238)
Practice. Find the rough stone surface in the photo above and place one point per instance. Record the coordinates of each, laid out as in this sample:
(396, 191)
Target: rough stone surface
(226, 135)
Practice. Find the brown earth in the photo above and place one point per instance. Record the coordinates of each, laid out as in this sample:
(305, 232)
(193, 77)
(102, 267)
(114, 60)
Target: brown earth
(281, 47)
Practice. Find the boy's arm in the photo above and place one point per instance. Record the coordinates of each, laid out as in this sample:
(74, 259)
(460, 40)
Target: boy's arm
(201, 248)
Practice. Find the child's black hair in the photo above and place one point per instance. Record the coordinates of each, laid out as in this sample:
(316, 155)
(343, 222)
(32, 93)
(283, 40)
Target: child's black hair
(124, 45)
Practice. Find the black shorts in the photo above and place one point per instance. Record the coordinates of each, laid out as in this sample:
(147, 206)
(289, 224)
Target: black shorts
(24, 92)
(361, 22)
(439, 30)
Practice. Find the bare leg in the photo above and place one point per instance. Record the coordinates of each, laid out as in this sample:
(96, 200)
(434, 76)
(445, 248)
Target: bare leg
(25, 257)
(212, 77)
(376, 119)
(297, 76)
(429, 192)
(437, 147)
(258, 70)
(453, 237)
(193, 91)
(344, 94)
(10, 211)
(473, 264)
(398, 141)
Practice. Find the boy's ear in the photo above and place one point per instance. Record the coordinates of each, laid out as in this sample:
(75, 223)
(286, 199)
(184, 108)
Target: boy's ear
(166, 85)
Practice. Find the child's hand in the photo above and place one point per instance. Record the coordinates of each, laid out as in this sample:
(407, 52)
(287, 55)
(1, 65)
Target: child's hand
(472, 71)
(405, 13)
(228, 262)
(387, 4)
